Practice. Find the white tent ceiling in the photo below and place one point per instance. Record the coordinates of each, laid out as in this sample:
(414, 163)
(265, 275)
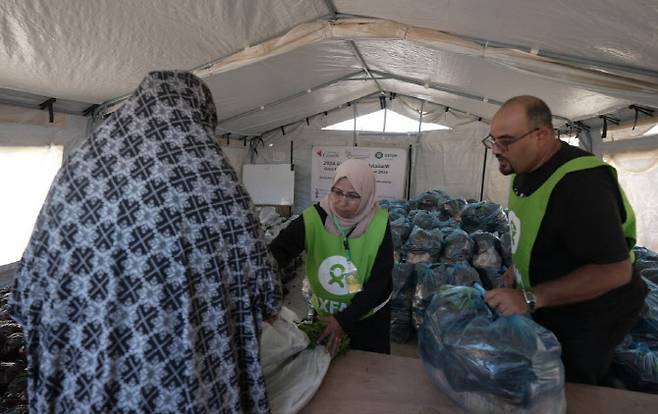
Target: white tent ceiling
(273, 62)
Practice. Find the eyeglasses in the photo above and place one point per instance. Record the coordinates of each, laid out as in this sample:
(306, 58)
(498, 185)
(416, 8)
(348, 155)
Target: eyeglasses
(347, 196)
(503, 144)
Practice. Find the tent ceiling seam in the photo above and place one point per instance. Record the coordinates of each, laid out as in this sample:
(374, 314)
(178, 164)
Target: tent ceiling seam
(290, 97)
(433, 86)
(564, 58)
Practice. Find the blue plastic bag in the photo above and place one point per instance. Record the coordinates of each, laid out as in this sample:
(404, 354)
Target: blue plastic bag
(484, 216)
(401, 297)
(636, 363)
(431, 277)
(488, 363)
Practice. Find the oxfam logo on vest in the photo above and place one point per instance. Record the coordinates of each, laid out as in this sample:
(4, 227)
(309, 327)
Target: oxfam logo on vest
(332, 275)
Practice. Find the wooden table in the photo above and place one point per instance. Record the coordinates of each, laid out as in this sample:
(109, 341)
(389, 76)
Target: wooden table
(365, 383)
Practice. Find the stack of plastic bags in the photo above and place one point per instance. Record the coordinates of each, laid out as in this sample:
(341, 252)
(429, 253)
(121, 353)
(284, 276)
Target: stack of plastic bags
(293, 371)
(488, 363)
(272, 223)
(446, 241)
(13, 373)
(636, 358)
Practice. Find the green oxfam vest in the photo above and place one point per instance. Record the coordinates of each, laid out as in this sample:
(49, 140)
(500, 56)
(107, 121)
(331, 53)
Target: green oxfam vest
(326, 260)
(527, 213)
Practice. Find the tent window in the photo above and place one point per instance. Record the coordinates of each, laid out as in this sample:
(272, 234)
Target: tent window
(374, 122)
(25, 177)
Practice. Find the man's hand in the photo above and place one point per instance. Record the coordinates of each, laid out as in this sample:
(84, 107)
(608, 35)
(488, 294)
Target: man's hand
(333, 332)
(508, 279)
(506, 301)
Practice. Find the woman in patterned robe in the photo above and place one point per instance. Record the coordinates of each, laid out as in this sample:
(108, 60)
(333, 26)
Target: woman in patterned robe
(146, 277)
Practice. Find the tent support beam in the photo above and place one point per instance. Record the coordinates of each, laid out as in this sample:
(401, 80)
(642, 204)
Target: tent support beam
(36, 107)
(364, 65)
(332, 8)
(562, 58)
(290, 97)
(334, 15)
(49, 104)
(441, 88)
(375, 94)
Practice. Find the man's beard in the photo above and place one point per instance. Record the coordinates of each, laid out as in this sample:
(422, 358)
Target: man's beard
(504, 166)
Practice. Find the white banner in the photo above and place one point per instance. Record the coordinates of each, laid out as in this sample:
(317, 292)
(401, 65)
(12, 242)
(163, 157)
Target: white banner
(388, 164)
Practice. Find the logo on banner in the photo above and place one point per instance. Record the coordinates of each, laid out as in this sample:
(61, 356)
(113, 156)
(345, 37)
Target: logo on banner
(379, 155)
(319, 153)
(332, 275)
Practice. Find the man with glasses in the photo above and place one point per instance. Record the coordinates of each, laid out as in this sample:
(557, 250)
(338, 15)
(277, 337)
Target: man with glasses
(572, 234)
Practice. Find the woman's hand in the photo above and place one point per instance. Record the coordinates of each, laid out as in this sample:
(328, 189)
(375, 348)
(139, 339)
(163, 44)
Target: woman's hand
(333, 333)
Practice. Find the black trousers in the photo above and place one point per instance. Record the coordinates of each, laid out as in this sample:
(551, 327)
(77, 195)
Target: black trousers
(372, 334)
(587, 356)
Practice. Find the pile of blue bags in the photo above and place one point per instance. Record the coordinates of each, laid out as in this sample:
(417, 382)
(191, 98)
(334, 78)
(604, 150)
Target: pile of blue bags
(442, 240)
(635, 361)
(488, 363)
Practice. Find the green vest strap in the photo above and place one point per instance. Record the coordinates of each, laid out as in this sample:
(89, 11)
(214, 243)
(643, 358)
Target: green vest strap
(527, 213)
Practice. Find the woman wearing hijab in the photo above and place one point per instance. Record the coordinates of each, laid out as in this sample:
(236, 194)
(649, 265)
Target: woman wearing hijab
(349, 259)
(146, 278)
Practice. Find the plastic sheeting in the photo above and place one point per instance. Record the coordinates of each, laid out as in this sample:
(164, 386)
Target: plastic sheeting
(638, 175)
(266, 81)
(478, 76)
(293, 373)
(607, 30)
(247, 66)
(489, 363)
(94, 51)
(452, 161)
(302, 106)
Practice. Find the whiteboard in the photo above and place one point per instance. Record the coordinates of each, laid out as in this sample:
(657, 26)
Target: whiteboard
(269, 184)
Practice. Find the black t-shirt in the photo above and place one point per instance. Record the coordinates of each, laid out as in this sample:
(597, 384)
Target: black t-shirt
(582, 225)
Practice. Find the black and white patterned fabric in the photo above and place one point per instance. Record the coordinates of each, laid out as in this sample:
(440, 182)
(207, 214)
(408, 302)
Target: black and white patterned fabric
(146, 277)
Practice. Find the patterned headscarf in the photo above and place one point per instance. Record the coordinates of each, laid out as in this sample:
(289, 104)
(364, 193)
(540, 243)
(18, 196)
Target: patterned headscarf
(146, 277)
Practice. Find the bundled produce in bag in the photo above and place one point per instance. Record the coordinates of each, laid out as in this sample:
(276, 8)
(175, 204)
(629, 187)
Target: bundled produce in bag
(424, 241)
(506, 248)
(636, 363)
(429, 279)
(13, 374)
(396, 213)
(488, 363)
(401, 297)
(425, 219)
(461, 274)
(484, 216)
(452, 209)
(457, 247)
(430, 200)
(400, 230)
(293, 371)
(486, 257)
(646, 263)
(313, 330)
